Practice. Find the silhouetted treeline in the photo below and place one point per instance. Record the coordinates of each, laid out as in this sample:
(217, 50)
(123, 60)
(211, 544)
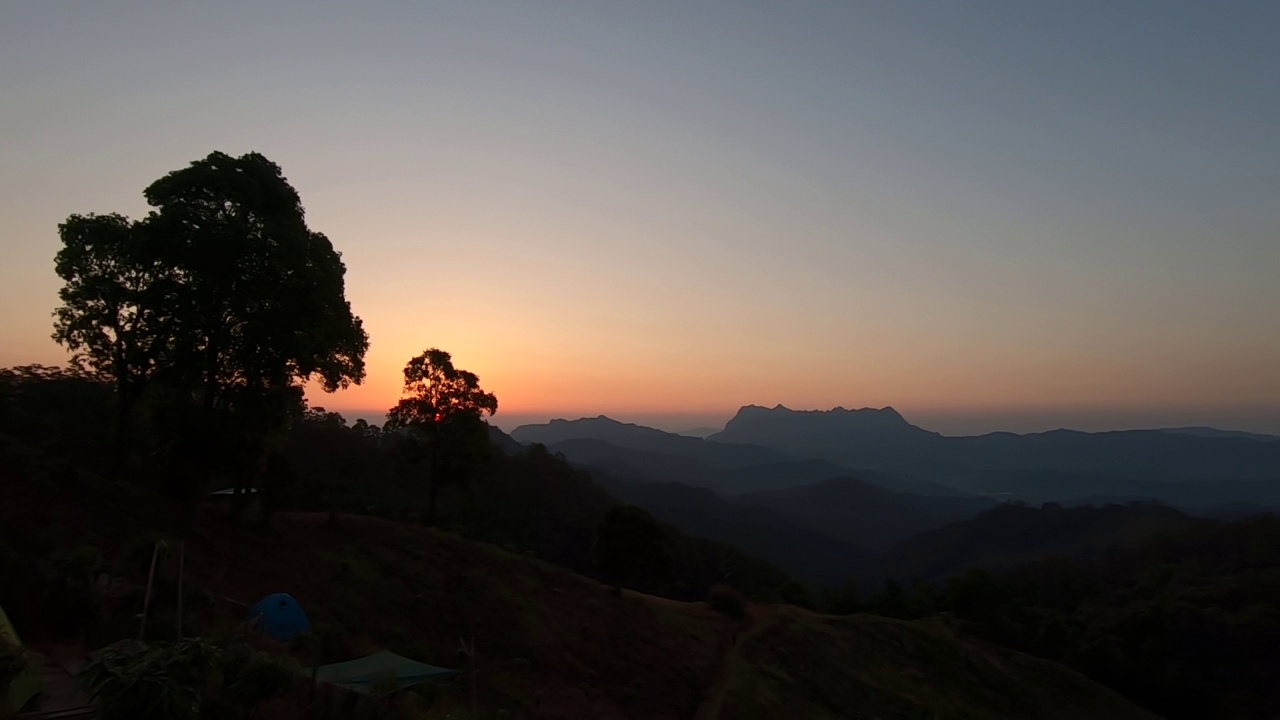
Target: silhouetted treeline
(526, 500)
(55, 426)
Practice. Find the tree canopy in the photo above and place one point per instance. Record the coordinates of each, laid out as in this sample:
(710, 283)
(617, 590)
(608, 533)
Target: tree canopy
(221, 297)
(222, 288)
(444, 409)
(437, 392)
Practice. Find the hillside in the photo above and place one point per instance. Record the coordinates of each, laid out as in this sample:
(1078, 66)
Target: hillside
(639, 437)
(552, 644)
(1009, 535)
(859, 512)
(643, 465)
(759, 531)
(529, 501)
(811, 666)
(1183, 622)
(644, 453)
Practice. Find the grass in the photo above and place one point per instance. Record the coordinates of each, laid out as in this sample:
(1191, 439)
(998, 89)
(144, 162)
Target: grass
(815, 666)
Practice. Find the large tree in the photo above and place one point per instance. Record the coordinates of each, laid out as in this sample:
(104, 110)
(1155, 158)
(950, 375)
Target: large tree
(222, 295)
(442, 414)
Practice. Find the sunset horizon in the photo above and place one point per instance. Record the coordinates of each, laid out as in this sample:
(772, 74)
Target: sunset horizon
(643, 213)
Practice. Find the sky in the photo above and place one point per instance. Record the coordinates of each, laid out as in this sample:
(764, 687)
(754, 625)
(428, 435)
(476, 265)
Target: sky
(987, 214)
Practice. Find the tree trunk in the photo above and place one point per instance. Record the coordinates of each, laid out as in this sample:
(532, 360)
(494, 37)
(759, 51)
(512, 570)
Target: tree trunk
(117, 445)
(199, 485)
(433, 482)
(242, 497)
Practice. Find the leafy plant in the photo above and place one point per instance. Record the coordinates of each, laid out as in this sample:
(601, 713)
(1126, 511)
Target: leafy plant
(135, 680)
(184, 679)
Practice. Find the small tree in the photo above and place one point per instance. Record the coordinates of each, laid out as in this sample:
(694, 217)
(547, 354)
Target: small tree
(442, 415)
(629, 547)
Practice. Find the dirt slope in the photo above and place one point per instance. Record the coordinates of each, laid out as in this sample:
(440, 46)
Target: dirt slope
(553, 644)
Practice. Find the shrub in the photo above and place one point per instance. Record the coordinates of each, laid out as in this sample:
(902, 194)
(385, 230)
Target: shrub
(69, 595)
(135, 680)
(183, 679)
(727, 601)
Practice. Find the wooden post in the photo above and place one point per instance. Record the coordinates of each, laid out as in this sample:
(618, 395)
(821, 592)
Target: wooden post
(146, 600)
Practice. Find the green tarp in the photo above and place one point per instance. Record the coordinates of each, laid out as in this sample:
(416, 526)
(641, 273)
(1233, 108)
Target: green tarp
(380, 671)
(23, 687)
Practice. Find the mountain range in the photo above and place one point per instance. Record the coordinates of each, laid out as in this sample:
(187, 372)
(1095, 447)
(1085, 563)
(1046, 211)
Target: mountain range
(834, 494)
(883, 440)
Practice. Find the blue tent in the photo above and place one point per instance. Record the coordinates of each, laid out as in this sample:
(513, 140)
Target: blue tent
(279, 616)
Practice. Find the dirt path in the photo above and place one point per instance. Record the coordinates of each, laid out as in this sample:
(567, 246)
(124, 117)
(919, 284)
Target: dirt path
(759, 618)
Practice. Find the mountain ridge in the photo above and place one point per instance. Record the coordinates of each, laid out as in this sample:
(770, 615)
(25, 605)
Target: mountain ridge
(883, 440)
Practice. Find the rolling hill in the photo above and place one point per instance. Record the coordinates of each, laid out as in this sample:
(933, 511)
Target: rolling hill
(802, 665)
(646, 439)
(872, 516)
(640, 452)
(810, 555)
(552, 644)
(1009, 535)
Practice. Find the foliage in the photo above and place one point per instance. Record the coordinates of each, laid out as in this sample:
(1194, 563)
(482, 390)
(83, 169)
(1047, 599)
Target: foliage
(200, 304)
(727, 601)
(1184, 625)
(47, 589)
(183, 679)
(845, 600)
(53, 418)
(629, 546)
(528, 501)
(134, 680)
(113, 315)
(793, 592)
(249, 678)
(437, 391)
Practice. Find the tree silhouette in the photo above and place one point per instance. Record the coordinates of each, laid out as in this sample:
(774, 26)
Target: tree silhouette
(443, 416)
(629, 547)
(114, 317)
(222, 294)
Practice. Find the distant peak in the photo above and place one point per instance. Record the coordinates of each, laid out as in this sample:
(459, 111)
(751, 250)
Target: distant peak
(596, 419)
(888, 411)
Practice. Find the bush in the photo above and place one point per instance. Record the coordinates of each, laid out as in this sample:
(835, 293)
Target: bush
(135, 680)
(184, 679)
(727, 601)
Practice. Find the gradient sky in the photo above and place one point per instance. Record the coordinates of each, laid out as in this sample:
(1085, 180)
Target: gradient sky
(986, 214)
